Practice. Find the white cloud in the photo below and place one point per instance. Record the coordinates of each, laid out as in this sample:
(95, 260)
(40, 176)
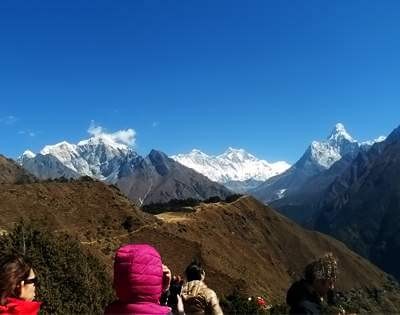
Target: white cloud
(125, 136)
(8, 120)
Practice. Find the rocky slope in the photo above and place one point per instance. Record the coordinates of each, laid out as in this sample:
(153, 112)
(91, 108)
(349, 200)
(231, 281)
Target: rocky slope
(11, 173)
(158, 178)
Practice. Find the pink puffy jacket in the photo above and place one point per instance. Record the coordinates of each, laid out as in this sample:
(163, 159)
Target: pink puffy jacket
(138, 281)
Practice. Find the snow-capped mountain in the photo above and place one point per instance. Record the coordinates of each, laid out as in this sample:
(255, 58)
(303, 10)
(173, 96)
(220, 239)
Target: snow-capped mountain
(338, 144)
(318, 158)
(155, 178)
(99, 157)
(231, 166)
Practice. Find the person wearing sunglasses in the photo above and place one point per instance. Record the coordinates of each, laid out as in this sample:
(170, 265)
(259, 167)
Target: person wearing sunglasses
(17, 287)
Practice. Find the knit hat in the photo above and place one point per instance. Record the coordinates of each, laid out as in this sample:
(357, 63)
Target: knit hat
(324, 268)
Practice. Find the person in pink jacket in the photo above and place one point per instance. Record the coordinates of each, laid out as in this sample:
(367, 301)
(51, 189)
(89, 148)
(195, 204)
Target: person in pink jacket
(139, 281)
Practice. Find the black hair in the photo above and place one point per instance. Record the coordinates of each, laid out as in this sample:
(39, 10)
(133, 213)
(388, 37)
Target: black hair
(194, 271)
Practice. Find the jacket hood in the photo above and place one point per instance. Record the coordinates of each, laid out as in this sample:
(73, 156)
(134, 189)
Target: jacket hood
(138, 274)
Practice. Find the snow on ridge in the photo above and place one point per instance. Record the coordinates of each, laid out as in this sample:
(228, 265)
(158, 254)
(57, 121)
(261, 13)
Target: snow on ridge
(232, 165)
(28, 154)
(98, 157)
(103, 140)
(339, 132)
(59, 148)
(339, 143)
(372, 142)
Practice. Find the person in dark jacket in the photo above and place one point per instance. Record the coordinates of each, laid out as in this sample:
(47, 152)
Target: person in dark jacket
(311, 294)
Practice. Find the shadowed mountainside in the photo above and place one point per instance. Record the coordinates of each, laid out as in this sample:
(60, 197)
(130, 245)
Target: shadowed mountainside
(12, 173)
(361, 207)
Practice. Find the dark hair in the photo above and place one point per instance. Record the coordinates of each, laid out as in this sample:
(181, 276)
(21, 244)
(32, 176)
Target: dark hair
(13, 270)
(194, 271)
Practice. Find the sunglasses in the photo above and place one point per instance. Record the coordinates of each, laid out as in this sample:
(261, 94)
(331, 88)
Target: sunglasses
(33, 281)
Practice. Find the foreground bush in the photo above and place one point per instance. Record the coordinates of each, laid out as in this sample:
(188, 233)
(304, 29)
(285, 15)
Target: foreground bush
(71, 280)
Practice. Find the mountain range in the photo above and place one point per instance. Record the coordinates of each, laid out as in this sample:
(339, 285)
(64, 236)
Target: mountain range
(235, 168)
(154, 178)
(105, 159)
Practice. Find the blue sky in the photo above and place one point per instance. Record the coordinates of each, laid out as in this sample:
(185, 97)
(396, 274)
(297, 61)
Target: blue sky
(266, 76)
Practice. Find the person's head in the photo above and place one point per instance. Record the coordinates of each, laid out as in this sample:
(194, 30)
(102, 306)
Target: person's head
(138, 273)
(17, 279)
(195, 272)
(322, 274)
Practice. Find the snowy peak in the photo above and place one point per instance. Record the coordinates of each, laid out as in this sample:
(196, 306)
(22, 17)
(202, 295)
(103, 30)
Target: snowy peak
(339, 143)
(28, 154)
(236, 155)
(103, 141)
(232, 165)
(196, 154)
(63, 150)
(100, 156)
(339, 133)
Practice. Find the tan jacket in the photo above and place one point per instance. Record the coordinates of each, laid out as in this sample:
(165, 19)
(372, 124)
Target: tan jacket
(198, 299)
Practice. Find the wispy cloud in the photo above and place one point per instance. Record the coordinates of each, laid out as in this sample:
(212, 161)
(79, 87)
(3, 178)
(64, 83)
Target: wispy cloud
(29, 133)
(125, 136)
(8, 120)
(155, 124)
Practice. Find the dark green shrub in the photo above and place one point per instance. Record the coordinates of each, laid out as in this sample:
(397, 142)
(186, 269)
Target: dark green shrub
(129, 224)
(176, 205)
(232, 198)
(213, 199)
(238, 304)
(71, 280)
